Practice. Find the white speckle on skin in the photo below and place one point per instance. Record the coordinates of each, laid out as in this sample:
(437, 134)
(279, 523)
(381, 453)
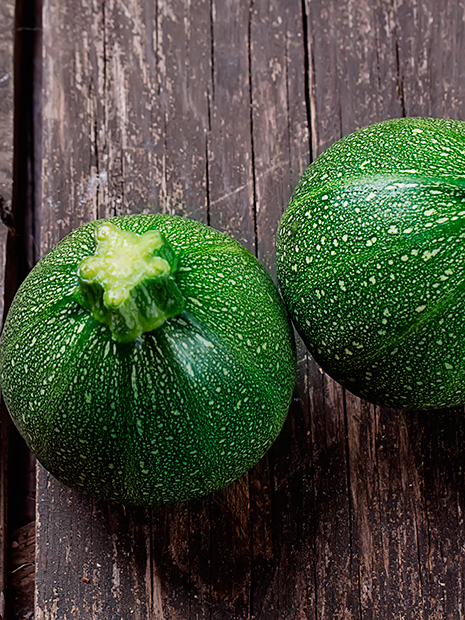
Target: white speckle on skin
(205, 342)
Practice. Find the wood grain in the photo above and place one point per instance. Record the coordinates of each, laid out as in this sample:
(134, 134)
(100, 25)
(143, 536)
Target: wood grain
(213, 109)
(21, 584)
(6, 107)
(6, 191)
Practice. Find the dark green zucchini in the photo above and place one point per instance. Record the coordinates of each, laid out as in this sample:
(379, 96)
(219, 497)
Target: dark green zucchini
(147, 366)
(370, 261)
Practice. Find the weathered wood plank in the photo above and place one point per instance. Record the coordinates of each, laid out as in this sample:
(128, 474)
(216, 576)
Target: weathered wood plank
(6, 181)
(230, 155)
(6, 110)
(279, 113)
(281, 528)
(433, 84)
(21, 585)
(16, 464)
(102, 575)
(344, 96)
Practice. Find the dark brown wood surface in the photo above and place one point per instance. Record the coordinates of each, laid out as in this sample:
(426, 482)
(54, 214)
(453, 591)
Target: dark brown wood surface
(212, 109)
(20, 171)
(6, 188)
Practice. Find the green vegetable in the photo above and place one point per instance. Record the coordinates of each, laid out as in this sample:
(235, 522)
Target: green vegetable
(147, 359)
(370, 261)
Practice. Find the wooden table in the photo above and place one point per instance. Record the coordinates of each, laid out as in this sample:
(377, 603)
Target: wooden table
(212, 109)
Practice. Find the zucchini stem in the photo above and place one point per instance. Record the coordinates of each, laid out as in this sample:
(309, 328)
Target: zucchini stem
(128, 282)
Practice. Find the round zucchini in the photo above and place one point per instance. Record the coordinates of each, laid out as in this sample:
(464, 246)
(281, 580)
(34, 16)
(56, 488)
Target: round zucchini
(370, 262)
(147, 359)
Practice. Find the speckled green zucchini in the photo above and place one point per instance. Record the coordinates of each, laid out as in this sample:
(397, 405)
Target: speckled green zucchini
(149, 388)
(371, 262)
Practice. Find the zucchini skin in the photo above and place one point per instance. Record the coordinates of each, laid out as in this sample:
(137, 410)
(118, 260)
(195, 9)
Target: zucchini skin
(370, 262)
(176, 414)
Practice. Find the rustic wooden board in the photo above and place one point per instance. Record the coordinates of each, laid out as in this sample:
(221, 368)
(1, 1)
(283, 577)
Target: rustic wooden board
(6, 188)
(212, 109)
(6, 107)
(22, 23)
